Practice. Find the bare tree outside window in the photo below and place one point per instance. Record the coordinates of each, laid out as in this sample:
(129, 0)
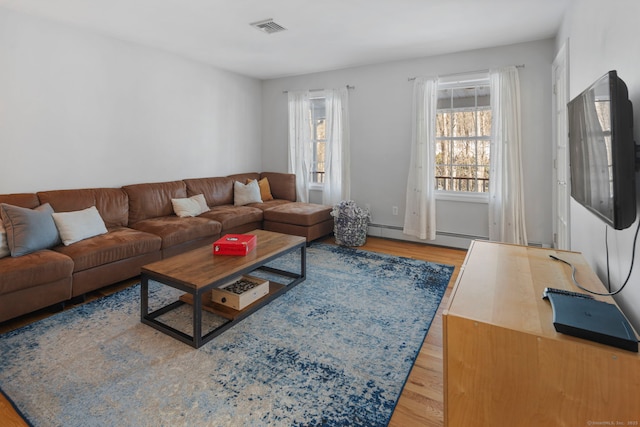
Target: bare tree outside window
(463, 136)
(318, 139)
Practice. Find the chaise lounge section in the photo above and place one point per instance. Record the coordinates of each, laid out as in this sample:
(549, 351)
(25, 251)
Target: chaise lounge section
(142, 227)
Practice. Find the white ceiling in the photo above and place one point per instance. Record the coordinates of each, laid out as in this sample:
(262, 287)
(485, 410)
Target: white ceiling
(321, 35)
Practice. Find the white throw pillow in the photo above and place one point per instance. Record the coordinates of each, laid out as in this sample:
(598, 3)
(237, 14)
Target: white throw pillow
(245, 194)
(79, 225)
(191, 206)
(4, 246)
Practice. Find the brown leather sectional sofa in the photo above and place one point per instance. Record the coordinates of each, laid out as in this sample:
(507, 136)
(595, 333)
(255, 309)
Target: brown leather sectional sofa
(143, 228)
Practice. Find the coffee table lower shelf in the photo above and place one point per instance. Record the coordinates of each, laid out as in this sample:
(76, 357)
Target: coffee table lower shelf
(228, 312)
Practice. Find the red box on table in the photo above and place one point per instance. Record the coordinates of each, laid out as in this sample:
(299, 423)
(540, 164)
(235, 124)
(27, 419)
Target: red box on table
(235, 244)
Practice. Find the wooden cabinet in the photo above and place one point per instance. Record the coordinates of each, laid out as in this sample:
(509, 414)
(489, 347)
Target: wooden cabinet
(504, 363)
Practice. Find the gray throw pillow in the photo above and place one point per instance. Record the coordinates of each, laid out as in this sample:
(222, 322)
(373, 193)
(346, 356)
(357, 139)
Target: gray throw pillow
(29, 230)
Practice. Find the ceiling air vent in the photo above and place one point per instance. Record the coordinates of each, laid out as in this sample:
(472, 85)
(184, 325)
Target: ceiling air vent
(268, 26)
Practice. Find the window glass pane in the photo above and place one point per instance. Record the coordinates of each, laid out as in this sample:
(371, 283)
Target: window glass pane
(483, 147)
(464, 123)
(443, 170)
(443, 124)
(484, 122)
(464, 178)
(443, 177)
(483, 96)
(443, 183)
(464, 153)
(443, 152)
(444, 99)
(483, 178)
(319, 129)
(464, 97)
(320, 155)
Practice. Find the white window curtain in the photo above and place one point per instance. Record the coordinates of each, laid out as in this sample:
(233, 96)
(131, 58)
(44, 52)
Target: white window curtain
(300, 154)
(420, 216)
(506, 195)
(337, 185)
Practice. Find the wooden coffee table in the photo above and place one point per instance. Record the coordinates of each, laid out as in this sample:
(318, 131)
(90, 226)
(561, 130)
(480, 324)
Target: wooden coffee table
(198, 271)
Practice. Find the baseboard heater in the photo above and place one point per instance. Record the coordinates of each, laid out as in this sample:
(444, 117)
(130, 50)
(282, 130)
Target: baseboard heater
(445, 234)
(438, 233)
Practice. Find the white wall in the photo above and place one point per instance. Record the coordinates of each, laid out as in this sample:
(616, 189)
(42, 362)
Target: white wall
(380, 111)
(604, 36)
(80, 110)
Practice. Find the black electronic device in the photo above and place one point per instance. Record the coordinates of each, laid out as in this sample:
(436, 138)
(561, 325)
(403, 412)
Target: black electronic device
(602, 151)
(593, 320)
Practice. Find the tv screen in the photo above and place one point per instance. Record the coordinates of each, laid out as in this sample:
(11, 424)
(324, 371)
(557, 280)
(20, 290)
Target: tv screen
(602, 151)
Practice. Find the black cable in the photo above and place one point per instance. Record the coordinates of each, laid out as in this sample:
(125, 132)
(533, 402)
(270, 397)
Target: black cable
(633, 256)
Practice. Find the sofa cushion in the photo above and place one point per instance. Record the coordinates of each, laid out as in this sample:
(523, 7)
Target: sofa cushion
(29, 230)
(234, 216)
(298, 213)
(243, 194)
(32, 270)
(282, 185)
(217, 190)
(269, 204)
(111, 203)
(153, 200)
(190, 206)
(175, 230)
(118, 244)
(79, 225)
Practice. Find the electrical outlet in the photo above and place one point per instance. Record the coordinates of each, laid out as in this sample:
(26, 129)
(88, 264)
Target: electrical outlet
(394, 210)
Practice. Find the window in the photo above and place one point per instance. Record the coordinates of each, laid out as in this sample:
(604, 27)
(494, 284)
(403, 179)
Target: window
(318, 139)
(463, 137)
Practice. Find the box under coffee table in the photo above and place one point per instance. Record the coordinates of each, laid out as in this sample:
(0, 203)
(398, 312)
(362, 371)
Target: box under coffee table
(198, 271)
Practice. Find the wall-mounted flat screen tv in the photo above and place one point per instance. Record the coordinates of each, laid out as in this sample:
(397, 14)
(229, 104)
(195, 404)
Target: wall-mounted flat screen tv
(602, 151)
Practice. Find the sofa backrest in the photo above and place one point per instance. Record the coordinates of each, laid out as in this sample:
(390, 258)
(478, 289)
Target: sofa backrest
(243, 177)
(217, 191)
(153, 200)
(24, 200)
(283, 185)
(111, 203)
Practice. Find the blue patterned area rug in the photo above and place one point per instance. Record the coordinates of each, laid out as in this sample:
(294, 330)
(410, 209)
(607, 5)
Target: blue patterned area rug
(334, 351)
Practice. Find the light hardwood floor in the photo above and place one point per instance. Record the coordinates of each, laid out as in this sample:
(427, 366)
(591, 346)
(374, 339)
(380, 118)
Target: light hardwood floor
(421, 401)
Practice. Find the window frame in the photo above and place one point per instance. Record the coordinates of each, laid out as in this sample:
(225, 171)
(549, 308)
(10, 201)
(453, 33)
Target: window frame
(452, 83)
